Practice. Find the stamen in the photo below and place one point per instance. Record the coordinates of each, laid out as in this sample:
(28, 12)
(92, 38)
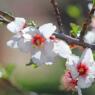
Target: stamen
(38, 40)
(82, 69)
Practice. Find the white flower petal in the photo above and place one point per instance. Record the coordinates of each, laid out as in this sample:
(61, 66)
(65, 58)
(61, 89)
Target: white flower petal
(29, 30)
(27, 36)
(90, 37)
(47, 29)
(71, 65)
(13, 42)
(87, 57)
(49, 48)
(90, 5)
(25, 46)
(39, 58)
(62, 49)
(16, 25)
(85, 82)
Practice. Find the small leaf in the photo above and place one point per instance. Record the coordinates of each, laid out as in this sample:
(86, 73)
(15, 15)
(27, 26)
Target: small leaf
(75, 29)
(34, 65)
(31, 23)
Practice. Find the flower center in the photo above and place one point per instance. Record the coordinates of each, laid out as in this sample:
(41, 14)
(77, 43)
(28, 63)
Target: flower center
(82, 69)
(38, 40)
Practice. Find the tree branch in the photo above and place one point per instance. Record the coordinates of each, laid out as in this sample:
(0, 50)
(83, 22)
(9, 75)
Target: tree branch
(58, 15)
(5, 17)
(75, 41)
(86, 23)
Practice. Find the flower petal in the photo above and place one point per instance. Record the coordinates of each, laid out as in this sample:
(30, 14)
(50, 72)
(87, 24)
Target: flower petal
(29, 30)
(47, 29)
(27, 36)
(16, 25)
(90, 37)
(85, 82)
(71, 65)
(39, 58)
(62, 49)
(87, 57)
(49, 48)
(13, 42)
(25, 46)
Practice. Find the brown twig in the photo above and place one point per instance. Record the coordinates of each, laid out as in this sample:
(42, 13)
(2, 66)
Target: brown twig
(58, 15)
(75, 41)
(86, 23)
(5, 17)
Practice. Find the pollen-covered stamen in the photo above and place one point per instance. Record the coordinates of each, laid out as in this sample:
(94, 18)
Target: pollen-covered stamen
(38, 40)
(82, 69)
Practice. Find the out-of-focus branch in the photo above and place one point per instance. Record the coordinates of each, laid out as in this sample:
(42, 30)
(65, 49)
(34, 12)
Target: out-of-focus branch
(5, 17)
(86, 23)
(58, 15)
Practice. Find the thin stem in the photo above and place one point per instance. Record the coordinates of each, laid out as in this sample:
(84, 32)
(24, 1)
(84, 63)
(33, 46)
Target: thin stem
(58, 15)
(75, 41)
(5, 17)
(86, 23)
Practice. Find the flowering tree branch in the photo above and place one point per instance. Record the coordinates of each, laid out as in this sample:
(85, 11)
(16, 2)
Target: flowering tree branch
(75, 41)
(68, 38)
(6, 18)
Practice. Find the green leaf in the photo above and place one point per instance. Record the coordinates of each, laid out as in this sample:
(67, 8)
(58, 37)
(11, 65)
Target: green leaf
(34, 65)
(75, 29)
(31, 23)
(9, 69)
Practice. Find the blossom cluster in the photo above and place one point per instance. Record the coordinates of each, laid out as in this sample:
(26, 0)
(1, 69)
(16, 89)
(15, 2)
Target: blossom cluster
(80, 72)
(44, 48)
(40, 42)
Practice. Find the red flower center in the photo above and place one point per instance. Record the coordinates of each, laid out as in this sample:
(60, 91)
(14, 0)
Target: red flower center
(82, 69)
(38, 40)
